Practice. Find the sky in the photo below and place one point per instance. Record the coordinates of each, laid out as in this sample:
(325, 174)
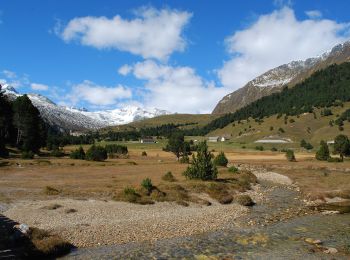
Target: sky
(182, 56)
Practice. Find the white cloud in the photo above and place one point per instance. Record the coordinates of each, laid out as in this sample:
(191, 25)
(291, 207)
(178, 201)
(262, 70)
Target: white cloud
(37, 86)
(176, 89)
(314, 14)
(98, 95)
(275, 39)
(125, 70)
(9, 74)
(152, 33)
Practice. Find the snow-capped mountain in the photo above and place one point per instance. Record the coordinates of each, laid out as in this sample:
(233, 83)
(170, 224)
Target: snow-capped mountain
(79, 119)
(275, 79)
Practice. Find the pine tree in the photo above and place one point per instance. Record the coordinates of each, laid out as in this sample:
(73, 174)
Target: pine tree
(5, 124)
(342, 145)
(323, 153)
(28, 124)
(202, 166)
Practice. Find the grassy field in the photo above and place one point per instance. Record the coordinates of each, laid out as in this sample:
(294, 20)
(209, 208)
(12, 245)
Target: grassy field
(193, 120)
(305, 126)
(84, 179)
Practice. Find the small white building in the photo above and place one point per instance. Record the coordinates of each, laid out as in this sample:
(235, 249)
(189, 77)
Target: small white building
(147, 140)
(213, 139)
(330, 142)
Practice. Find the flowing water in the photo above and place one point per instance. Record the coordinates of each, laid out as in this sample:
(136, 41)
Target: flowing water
(276, 233)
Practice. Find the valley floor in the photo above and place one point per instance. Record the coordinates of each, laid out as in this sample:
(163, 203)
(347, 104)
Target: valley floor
(84, 213)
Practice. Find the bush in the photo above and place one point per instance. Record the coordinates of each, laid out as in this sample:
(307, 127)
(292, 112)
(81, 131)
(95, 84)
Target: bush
(334, 159)
(78, 154)
(147, 185)
(57, 153)
(27, 155)
(259, 148)
(233, 169)
(245, 200)
(201, 166)
(144, 153)
(96, 153)
(130, 195)
(51, 191)
(184, 159)
(274, 149)
(114, 150)
(323, 152)
(168, 177)
(221, 160)
(290, 156)
(306, 145)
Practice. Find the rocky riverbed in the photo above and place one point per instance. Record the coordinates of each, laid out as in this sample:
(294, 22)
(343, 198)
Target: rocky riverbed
(279, 228)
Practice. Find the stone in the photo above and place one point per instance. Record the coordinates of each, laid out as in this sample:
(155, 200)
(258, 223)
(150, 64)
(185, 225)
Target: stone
(331, 250)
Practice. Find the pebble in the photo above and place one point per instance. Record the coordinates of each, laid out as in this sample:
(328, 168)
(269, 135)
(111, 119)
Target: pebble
(331, 250)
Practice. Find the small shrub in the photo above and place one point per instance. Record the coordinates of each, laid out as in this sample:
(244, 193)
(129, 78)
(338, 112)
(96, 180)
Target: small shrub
(281, 130)
(57, 153)
(221, 160)
(334, 159)
(274, 149)
(245, 200)
(27, 155)
(144, 153)
(226, 199)
(259, 148)
(147, 185)
(201, 166)
(46, 245)
(168, 177)
(184, 159)
(291, 120)
(130, 195)
(48, 190)
(114, 150)
(78, 154)
(233, 169)
(290, 156)
(323, 152)
(96, 153)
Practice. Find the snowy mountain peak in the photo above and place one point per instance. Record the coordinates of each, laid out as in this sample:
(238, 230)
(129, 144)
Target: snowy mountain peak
(8, 89)
(79, 119)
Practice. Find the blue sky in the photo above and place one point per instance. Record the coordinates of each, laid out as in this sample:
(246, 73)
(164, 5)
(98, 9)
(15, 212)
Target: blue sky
(182, 56)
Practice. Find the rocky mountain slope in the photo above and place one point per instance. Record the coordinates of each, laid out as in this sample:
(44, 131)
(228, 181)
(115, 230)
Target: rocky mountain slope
(73, 119)
(275, 79)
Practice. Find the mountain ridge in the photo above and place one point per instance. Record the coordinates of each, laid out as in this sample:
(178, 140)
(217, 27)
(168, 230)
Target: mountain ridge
(275, 79)
(79, 119)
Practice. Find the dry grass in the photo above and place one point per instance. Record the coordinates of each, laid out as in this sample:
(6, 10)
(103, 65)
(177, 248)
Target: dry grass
(48, 245)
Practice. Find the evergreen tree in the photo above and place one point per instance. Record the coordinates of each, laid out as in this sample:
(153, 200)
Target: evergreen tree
(202, 166)
(5, 124)
(178, 146)
(323, 153)
(28, 124)
(342, 146)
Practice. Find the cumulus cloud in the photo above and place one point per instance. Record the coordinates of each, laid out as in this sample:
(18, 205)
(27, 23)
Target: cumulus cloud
(176, 89)
(275, 39)
(38, 86)
(125, 70)
(98, 95)
(314, 14)
(151, 34)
